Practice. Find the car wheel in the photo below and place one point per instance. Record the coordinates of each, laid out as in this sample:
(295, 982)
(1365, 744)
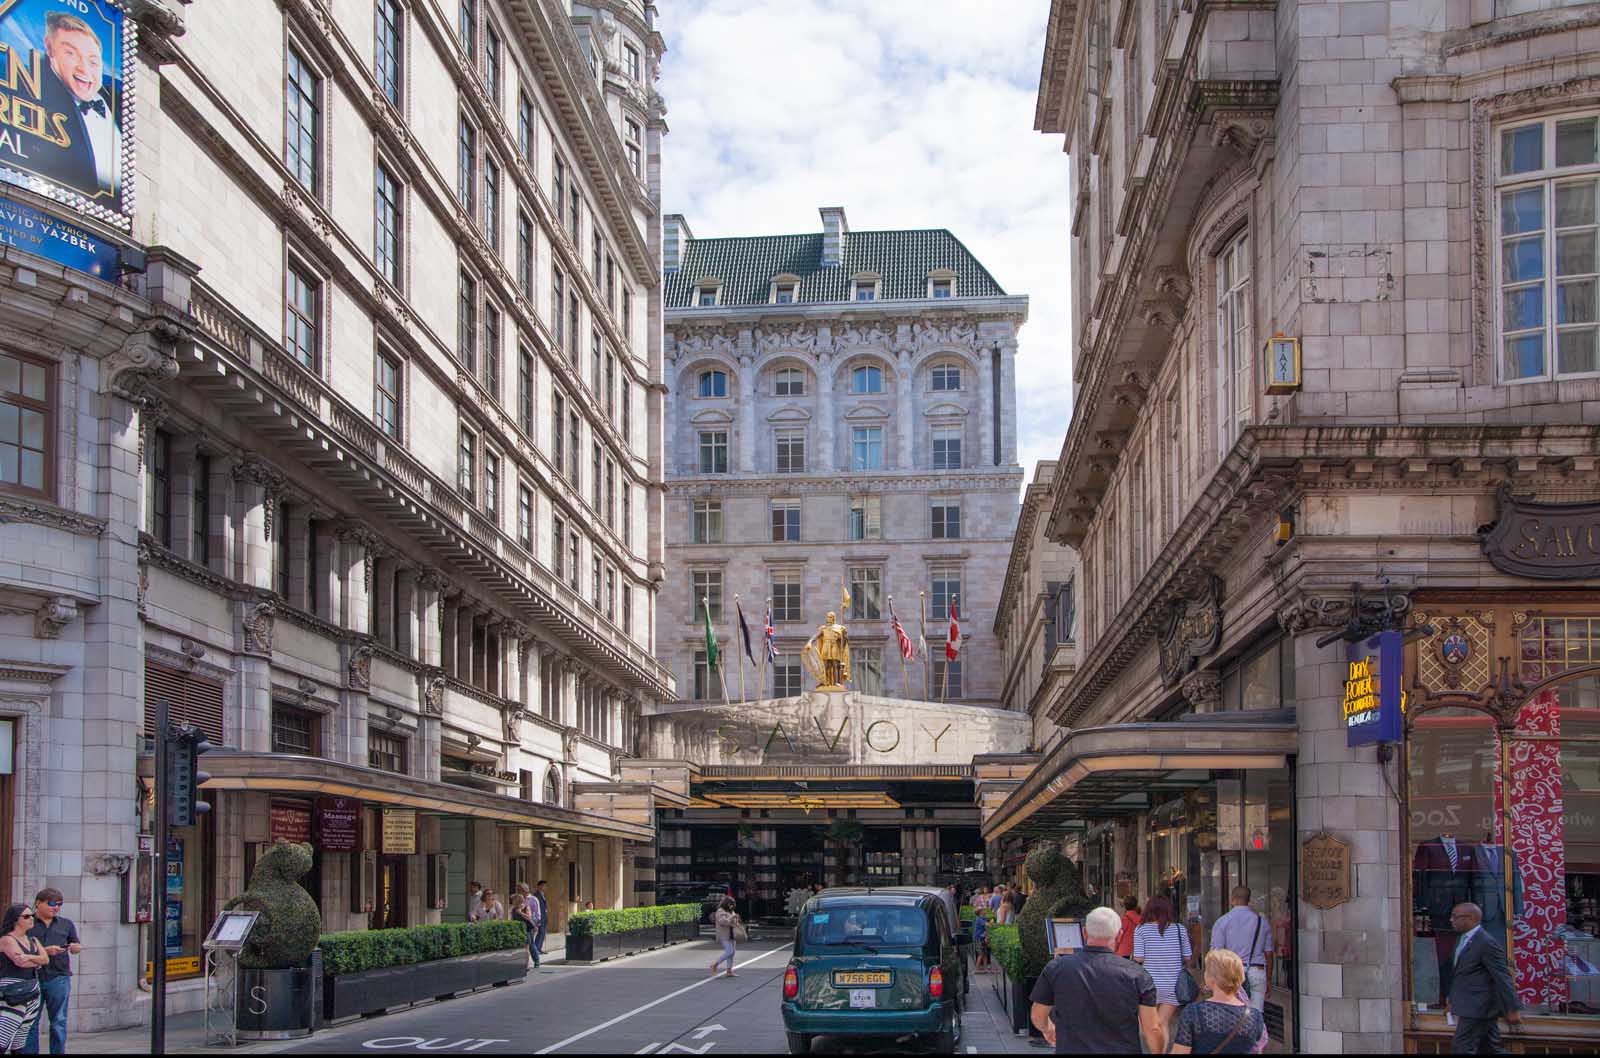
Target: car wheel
(799, 1043)
(945, 1042)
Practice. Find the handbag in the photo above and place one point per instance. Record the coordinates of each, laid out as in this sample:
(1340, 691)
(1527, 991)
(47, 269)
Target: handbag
(740, 934)
(19, 992)
(1187, 991)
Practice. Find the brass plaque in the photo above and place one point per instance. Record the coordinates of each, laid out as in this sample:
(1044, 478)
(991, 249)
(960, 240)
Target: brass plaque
(1325, 871)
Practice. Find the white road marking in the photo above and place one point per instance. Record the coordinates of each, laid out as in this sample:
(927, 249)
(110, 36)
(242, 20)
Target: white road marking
(586, 1033)
(647, 1048)
(705, 1030)
(672, 1048)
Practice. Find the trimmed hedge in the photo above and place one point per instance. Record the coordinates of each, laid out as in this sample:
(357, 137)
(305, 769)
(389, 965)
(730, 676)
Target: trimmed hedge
(1006, 947)
(373, 949)
(627, 919)
(968, 913)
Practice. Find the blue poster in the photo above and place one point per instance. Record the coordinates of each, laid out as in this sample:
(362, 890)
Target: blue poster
(174, 868)
(67, 244)
(174, 929)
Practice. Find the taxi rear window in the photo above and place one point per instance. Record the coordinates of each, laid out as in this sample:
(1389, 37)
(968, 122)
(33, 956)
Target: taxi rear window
(871, 926)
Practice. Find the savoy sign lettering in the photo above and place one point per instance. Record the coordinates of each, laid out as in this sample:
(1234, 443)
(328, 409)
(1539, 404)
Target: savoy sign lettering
(1547, 541)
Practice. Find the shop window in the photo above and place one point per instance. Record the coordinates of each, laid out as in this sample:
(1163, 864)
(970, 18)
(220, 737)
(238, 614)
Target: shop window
(191, 880)
(295, 731)
(1551, 646)
(27, 424)
(1262, 679)
(386, 752)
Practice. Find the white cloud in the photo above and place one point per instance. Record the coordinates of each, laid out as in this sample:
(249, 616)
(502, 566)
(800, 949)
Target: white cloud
(909, 114)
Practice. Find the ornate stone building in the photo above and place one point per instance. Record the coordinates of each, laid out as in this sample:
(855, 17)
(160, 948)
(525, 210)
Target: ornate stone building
(1403, 195)
(841, 415)
(358, 466)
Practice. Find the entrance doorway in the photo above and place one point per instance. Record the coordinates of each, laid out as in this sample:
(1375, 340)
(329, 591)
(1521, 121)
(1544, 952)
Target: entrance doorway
(801, 858)
(391, 910)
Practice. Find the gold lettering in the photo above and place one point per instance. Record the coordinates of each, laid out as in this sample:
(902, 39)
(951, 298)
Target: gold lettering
(1550, 545)
(883, 749)
(14, 70)
(1571, 535)
(1529, 540)
(937, 737)
(729, 743)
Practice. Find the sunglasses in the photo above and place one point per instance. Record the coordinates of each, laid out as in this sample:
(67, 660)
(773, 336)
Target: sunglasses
(27, 914)
(52, 903)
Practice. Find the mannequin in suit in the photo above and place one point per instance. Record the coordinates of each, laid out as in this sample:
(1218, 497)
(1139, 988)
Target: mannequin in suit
(1442, 873)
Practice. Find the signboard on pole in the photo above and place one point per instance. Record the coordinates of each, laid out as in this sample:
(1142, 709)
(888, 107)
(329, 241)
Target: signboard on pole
(338, 824)
(400, 831)
(1374, 703)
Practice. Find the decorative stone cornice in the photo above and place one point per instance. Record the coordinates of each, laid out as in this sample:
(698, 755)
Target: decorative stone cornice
(39, 512)
(359, 668)
(1202, 689)
(53, 616)
(145, 360)
(1311, 610)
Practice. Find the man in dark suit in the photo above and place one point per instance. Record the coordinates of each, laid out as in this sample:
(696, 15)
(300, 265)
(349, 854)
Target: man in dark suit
(95, 153)
(1481, 991)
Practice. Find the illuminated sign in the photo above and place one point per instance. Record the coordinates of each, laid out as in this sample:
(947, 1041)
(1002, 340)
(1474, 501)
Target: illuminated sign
(1374, 704)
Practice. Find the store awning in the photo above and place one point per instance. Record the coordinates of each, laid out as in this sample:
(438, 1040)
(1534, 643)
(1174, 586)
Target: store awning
(284, 773)
(1118, 770)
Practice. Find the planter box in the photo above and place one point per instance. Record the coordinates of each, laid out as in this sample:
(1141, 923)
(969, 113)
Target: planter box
(679, 932)
(602, 946)
(372, 991)
(1014, 998)
(275, 1004)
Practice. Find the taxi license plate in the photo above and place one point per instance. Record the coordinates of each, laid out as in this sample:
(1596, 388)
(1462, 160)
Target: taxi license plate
(863, 998)
(857, 978)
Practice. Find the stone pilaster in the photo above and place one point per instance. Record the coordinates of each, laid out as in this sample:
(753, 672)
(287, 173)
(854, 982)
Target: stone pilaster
(1008, 401)
(826, 454)
(466, 622)
(430, 583)
(747, 414)
(986, 438)
(449, 638)
(407, 597)
(357, 545)
(905, 420)
(254, 499)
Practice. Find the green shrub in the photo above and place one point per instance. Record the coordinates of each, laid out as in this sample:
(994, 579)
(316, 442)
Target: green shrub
(968, 913)
(372, 949)
(626, 919)
(1006, 947)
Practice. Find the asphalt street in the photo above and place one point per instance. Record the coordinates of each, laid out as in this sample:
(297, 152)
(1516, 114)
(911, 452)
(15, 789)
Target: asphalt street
(662, 1002)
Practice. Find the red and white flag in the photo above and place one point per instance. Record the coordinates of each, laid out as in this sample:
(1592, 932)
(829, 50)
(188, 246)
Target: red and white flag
(952, 643)
(903, 641)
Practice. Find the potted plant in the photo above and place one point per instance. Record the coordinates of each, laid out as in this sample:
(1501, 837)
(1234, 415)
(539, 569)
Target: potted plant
(277, 968)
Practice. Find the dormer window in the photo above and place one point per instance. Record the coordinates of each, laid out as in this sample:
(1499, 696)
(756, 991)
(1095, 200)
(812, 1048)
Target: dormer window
(942, 283)
(706, 297)
(943, 288)
(866, 290)
(713, 384)
(785, 289)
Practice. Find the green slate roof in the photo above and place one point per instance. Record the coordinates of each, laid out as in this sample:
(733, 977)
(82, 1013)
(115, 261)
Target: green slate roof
(746, 266)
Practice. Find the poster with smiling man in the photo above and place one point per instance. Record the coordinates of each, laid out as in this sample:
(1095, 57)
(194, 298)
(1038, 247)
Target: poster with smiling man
(61, 97)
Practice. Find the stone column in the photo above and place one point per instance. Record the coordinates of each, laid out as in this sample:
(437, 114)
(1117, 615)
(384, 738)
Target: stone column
(430, 583)
(1008, 401)
(254, 509)
(986, 446)
(353, 570)
(747, 414)
(383, 586)
(825, 442)
(904, 416)
(513, 687)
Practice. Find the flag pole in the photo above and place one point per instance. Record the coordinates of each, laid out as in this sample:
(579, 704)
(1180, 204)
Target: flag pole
(736, 645)
(894, 619)
(761, 673)
(927, 651)
(705, 600)
(944, 687)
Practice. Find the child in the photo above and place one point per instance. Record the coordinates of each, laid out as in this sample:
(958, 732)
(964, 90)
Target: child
(980, 939)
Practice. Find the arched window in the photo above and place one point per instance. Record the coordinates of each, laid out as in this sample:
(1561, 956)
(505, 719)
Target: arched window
(713, 383)
(552, 787)
(946, 377)
(866, 380)
(789, 382)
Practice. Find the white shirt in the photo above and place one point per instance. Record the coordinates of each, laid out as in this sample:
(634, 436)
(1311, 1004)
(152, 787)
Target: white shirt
(1462, 943)
(475, 907)
(106, 143)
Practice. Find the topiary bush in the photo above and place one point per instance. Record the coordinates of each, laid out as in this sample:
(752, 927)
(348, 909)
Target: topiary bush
(1058, 894)
(626, 919)
(286, 933)
(373, 949)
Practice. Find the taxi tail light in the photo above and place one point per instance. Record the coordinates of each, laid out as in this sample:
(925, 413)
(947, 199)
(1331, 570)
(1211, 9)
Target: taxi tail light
(791, 983)
(935, 983)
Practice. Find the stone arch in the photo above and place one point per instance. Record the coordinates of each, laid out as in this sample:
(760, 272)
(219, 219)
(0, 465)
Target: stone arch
(844, 371)
(689, 374)
(767, 371)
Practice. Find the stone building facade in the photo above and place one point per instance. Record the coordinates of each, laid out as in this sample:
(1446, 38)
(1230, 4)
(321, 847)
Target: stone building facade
(359, 467)
(1401, 193)
(841, 415)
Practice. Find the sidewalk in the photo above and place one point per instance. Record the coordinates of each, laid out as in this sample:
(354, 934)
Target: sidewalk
(186, 1033)
(987, 1027)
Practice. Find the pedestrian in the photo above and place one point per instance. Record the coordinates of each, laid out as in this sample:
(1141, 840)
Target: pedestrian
(1007, 913)
(980, 899)
(491, 909)
(995, 897)
(1247, 933)
(1130, 922)
(58, 935)
(1091, 1002)
(474, 901)
(521, 911)
(19, 977)
(727, 925)
(1481, 991)
(588, 905)
(980, 939)
(1018, 898)
(1161, 946)
(542, 919)
(1226, 1023)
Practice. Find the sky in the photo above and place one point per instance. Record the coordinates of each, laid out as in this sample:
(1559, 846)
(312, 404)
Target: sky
(907, 113)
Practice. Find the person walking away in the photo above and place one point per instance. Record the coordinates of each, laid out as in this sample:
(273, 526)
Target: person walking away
(492, 909)
(1161, 946)
(1008, 912)
(1481, 991)
(1018, 898)
(543, 920)
(474, 901)
(1091, 1002)
(980, 939)
(1226, 1023)
(725, 921)
(19, 978)
(535, 919)
(58, 935)
(1247, 933)
(1130, 922)
(996, 896)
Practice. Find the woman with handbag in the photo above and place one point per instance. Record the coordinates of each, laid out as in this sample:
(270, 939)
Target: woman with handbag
(19, 977)
(1162, 947)
(1225, 1023)
(730, 930)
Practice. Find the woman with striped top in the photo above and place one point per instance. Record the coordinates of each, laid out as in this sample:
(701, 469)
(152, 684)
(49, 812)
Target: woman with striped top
(1162, 946)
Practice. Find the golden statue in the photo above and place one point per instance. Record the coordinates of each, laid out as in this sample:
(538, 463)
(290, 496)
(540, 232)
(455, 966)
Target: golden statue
(827, 654)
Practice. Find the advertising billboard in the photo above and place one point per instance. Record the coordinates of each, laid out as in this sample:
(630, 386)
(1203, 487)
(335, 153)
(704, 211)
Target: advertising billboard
(1374, 702)
(65, 119)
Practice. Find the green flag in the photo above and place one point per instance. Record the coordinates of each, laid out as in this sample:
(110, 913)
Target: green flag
(711, 637)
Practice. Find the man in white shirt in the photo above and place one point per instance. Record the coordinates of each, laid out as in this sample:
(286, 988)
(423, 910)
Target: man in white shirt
(1247, 934)
(75, 56)
(474, 901)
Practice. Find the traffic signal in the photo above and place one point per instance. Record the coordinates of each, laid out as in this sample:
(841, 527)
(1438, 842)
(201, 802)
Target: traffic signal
(184, 746)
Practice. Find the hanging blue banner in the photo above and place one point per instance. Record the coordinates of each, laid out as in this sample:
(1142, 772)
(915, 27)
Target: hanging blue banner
(1374, 703)
(38, 232)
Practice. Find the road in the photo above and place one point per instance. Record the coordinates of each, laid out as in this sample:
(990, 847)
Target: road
(662, 1002)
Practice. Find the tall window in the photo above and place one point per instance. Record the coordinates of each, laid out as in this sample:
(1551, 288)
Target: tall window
(1547, 174)
(611, 594)
(866, 379)
(557, 297)
(524, 254)
(596, 357)
(707, 587)
(713, 384)
(467, 26)
(491, 203)
(866, 448)
(466, 471)
(527, 136)
(611, 387)
(791, 452)
(386, 393)
(611, 283)
(294, 730)
(491, 350)
(1233, 334)
(492, 63)
(627, 511)
(558, 416)
(789, 382)
(525, 516)
(946, 677)
(946, 520)
(467, 323)
(785, 521)
(594, 478)
(575, 450)
(386, 57)
(786, 679)
(572, 325)
(631, 142)
(302, 101)
(558, 181)
(947, 448)
(158, 487)
(466, 166)
(302, 301)
(611, 494)
(594, 565)
(386, 752)
(596, 267)
(525, 392)
(947, 377)
(386, 241)
(573, 544)
(281, 565)
(866, 518)
(627, 609)
(866, 588)
(713, 451)
(866, 670)
(574, 206)
(200, 509)
(625, 398)
(946, 585)
(27, 423)
(786, 597)
(704, 679)
(706, 522)
(313, 570)
(630, 61)
(558, 559)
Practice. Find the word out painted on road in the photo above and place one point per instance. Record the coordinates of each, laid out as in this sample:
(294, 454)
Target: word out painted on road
(682, 1048)
(438, 1043)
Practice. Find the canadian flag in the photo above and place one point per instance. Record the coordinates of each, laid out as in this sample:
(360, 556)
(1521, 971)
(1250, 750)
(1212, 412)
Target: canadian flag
(952, 643)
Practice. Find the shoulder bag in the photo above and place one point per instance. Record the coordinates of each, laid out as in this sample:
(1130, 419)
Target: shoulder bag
(20, 991)
(1187, 991)
(740, 934)
(1255, 942)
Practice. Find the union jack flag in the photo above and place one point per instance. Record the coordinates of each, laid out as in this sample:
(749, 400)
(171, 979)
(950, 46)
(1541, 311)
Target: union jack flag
(772, 647)
(907, 651)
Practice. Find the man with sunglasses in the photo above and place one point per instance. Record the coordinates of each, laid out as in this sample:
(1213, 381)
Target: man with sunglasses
(58, 935)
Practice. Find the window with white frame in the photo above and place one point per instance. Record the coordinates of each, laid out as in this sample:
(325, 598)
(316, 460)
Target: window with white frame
(789, 382)
(866, 448)
(864, 290)
(945, 520)
(386, 225)
(704, 677)
(866, 670)
(786, 597)
(491, 485)
(946, 378)
(866, 518)
(1233, 335)
(466, 470)
(525, 517)
(1547, 173)
(302, 308)
(630, 61)
(866, 379)
(783, 293)
(790, 457)
(707, 587)
(786, 679)
(712, 384)
(387, 52)
(942, 288)
(386, 374)
(946, 448)
(632, 140)
(713, 451)
(866, 592)
(785, 521)
(706, 522)
(302, 121)
(706, 297)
